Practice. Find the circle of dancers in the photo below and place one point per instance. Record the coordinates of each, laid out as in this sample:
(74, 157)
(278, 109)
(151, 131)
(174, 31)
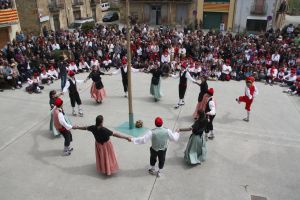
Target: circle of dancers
(106, 162)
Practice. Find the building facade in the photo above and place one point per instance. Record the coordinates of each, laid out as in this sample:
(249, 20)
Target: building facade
(254, 15)
(155, 12)
(211, 13)
(9, 24)
(55, 14)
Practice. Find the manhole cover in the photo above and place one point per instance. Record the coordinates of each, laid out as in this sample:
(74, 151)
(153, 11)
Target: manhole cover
(258, 198)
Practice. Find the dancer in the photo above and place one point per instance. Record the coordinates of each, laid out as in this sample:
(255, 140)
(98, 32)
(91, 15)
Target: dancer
(195, 151)
(159, 137)
(71, 85)
(184, 75)
(97, 89)
(63, 126)
(203, 90)
(155, 82)
(210, 111)
(53, 96)
(106, 161)
(123, 71)
(250, 92)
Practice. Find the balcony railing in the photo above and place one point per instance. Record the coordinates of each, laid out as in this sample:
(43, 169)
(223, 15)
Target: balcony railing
(77, 2)
(56, 5)
(259, 8)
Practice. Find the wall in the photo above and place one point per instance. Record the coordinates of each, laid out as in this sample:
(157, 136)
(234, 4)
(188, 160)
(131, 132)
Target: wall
(28, 16)
(243, 9)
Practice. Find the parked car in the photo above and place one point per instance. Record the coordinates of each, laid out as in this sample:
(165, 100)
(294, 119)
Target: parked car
(79, 23)
(110, 17)
(105, 6)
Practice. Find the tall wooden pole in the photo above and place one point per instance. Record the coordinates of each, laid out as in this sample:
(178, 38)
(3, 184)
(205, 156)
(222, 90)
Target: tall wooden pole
(131, 123)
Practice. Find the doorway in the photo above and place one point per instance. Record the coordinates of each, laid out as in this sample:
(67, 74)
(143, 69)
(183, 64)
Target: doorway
(155, 15)
(56, 22)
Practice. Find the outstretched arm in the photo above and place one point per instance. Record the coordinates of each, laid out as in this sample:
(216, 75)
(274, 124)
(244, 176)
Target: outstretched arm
(143, 139)
(184, 129)
(118, 135)
(85, 128)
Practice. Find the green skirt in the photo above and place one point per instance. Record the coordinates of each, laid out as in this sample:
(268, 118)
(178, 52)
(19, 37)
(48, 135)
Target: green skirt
(195, 151)
(155, 91)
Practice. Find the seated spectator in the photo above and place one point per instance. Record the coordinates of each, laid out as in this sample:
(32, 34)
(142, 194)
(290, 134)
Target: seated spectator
(53, 73)
(289, 79)
(295, 88)
(33, 84)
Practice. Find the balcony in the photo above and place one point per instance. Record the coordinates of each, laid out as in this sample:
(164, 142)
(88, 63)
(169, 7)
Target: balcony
(77, 3)
(56, 5)
(95, 2)
(259, 7)
(8, 17)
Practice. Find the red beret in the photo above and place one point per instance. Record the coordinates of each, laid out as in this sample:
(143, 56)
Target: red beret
(158, 122)
(183, 65)
(227, 61)
(211, 91)
(58, 102)
(35, 74)
(250, 79)
(298, 78)
(71, 73)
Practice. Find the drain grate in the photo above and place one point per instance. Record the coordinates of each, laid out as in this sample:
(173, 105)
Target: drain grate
(258, 198)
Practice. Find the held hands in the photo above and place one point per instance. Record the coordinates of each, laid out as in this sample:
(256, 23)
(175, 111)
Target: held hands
(178, 130)
(129, 139)
(75, 127)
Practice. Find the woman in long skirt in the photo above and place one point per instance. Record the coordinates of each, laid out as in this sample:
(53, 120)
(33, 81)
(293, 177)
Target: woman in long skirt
(155, 83)
(195, 151)
(203, 89)
(97, 88)
(106, 161)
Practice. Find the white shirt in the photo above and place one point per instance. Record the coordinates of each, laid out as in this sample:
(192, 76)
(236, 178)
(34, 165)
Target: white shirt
(62, 121)
(226, 69)
(44, 76)
(94, 62)
(53, 73)
(142, 140)
(55, 47)
(290, 77)
(118, 71)
(106, 62)
(165, 58)
(212, 107)
(68, 84)
(73, 67)
(275, 57)
(83, 65)
(187, 75)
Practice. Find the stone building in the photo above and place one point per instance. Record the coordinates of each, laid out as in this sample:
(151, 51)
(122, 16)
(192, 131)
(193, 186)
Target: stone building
(254, 15)
(9, 24)
(182, 12)
(55, 14)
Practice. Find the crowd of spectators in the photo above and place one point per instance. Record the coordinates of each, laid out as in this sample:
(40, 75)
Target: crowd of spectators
(5, 4)
(272, 56)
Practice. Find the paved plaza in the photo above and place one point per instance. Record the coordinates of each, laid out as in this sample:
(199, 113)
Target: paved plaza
(258, 158)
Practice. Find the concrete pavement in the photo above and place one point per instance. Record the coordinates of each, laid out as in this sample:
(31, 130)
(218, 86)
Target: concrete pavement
(257, 158)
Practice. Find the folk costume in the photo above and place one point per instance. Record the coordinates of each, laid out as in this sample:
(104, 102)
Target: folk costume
(63, 126)
(184, 75)
(250, 92)
(71, 86)
(203, 90)
(123, 71)
(210, 111)
(195, 151)
(106, 161)
(97, 89)
(155, 83)
(159, 137)
(53, 97)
